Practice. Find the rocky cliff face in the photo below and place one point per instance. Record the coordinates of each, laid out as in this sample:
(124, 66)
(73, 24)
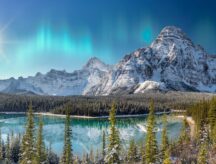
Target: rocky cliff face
(171, 62)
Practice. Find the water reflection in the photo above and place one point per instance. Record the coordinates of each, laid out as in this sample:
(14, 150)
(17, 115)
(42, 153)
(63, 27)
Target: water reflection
(87, 133)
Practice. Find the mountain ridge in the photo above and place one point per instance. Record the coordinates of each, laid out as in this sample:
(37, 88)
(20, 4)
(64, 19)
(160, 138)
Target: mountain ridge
(171, 62)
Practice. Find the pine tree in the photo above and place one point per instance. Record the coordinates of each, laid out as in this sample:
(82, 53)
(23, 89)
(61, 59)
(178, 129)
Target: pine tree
(52, 158)
(204, 134)
(165, 142)
(132, 152)
(103, 144)
(151, 142)
(114, 146)
(97, 156)
(84, 159)
(212, 117)
(203, 140)
(91, 155)
(12, 136)
(41, 150)
(202, 155)
(28, 141)
(213, 137)
(166, 159)
(15, 148)
(142, 153)
(76, 160)
(67, 157)
(8, 151)
(1, 147)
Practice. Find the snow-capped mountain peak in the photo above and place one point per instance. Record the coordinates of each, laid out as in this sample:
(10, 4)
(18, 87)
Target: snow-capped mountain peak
(169, 31)
(171, 62)
(95, 63)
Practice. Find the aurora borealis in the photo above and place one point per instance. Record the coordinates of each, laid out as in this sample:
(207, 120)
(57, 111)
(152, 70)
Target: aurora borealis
(36, 36)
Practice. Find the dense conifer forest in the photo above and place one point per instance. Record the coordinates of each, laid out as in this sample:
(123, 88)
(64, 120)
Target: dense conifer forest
(100, 106)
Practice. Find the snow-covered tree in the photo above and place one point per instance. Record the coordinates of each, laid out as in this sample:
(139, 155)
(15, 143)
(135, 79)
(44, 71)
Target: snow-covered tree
(52, 158)
(15, 148)
(76, 160)
(97, 156)
(85, 159)
(202, 155)
(167, 159)
(142, 153)
(213, 137)
(91, 155)
(8, 151)
(114, 147)
(1, 148)
(132, 152)
(212, 118)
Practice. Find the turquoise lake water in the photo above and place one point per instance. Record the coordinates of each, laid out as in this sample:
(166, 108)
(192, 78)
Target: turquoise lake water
(87, 133)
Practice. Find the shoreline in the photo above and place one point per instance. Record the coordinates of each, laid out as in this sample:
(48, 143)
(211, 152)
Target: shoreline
(99, 117)
(12, 112)
(86, 117)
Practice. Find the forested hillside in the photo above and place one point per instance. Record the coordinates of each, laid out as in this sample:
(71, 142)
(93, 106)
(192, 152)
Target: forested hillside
(98, 106)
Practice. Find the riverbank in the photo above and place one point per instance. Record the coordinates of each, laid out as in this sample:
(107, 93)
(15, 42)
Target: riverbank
(49, 114)
(86, 117)
(12, 112)
(98, 117)
(62, 115)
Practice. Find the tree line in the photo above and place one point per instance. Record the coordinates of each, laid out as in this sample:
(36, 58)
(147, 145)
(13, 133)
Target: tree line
(100, 105)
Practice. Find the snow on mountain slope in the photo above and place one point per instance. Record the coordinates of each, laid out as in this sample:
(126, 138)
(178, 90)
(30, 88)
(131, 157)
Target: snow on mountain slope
(84, 81)
(95, 63)
(149, 85)
(20, 86)
(171, 62)
(5, 83)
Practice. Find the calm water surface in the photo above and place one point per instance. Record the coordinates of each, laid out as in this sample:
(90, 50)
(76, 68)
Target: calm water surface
(87, 133)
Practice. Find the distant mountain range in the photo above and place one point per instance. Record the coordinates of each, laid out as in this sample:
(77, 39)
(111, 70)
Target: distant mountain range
(171, 62)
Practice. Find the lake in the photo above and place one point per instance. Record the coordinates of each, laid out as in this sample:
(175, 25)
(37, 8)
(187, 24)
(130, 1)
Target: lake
(87, 133)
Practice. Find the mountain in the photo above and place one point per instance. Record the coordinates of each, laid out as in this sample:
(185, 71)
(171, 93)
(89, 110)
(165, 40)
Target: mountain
(171, 62)
(81, 82)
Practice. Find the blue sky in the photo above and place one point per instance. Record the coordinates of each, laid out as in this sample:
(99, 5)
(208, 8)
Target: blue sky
(37, 35)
